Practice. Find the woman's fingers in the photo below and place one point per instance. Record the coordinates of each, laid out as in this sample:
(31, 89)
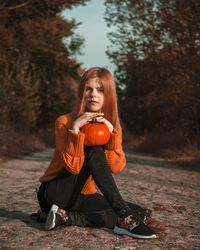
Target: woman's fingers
(100, 119)
(87, 117)
(93, 114)
(106, 122)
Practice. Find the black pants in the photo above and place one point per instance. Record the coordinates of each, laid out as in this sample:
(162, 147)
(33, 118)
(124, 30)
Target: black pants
(94, 210)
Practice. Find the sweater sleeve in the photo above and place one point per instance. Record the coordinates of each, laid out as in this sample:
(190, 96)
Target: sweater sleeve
(70, 146)
(114, 152)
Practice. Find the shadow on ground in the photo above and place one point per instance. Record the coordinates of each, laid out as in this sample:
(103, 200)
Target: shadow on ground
(20, 215)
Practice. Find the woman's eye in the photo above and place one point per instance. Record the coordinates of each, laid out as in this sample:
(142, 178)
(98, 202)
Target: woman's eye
(100, 90)
(88, 89)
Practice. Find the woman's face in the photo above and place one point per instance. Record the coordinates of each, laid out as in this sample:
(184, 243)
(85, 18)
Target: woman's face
(94, 95)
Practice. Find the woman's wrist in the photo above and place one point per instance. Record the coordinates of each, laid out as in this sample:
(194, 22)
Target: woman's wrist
(111, 128)
(74, 130)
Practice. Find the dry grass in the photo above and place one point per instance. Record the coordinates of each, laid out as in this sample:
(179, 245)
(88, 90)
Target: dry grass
(47, 136)
(17, 144)
(170, 147)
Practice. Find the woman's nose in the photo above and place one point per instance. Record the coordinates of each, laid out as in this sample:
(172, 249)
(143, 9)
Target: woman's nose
(93, 92)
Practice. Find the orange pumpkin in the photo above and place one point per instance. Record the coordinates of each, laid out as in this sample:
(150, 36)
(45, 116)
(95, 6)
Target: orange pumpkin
(96, 134)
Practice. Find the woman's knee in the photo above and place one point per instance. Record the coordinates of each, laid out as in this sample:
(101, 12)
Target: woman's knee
(95, 154)
(94, 150)
(95, 158)
(97, 150)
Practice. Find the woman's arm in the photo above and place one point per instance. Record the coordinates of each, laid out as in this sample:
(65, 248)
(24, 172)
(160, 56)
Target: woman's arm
(70, 141)
(69, 145)
(114, 153)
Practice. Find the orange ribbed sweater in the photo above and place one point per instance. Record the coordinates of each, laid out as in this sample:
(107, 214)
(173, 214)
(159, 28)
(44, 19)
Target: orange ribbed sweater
(69, 153)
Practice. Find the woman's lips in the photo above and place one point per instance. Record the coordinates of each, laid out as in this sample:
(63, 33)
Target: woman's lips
(93, 102)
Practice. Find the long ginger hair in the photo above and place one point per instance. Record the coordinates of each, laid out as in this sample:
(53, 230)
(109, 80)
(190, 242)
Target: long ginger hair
(110, 107)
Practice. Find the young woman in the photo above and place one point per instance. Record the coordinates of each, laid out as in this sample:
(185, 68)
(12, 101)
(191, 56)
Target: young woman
(68, 190)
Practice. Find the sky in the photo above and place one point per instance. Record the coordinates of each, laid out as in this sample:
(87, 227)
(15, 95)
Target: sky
(93, 29)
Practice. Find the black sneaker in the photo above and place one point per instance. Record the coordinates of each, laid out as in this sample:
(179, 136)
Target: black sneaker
(56, 217)
(134, 227)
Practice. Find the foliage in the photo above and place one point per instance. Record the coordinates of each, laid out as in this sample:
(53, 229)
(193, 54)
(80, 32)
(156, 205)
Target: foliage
(38, 78)
(157, 58)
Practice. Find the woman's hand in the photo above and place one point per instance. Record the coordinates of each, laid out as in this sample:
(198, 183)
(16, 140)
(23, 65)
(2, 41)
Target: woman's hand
(84, 119)
(106, 122)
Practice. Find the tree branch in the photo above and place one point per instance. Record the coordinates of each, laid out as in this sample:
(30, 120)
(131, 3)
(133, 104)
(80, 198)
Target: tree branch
(17, 6)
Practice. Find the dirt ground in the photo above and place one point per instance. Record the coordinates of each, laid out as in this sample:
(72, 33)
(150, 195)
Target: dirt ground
(171, 192)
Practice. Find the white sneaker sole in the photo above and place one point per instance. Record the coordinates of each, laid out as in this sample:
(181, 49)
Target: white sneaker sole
(51, 218)
(122, 231)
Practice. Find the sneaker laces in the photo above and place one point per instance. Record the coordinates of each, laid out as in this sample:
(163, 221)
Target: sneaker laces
(132, 221)
(138, 216)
